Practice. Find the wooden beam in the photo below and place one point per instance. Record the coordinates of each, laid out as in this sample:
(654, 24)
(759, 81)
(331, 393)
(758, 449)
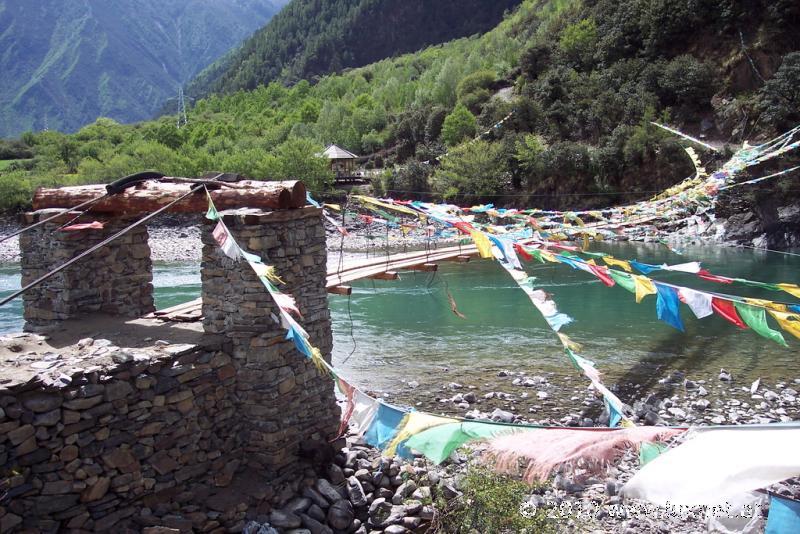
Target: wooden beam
(149, 196)
(424, 267)
(340, 290)
(388, 275)
(461, 258)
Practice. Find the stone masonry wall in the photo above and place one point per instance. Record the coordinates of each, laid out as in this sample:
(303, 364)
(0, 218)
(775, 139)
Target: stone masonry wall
(116, 279)
(120, 446)
(289, 408)
(195, 437)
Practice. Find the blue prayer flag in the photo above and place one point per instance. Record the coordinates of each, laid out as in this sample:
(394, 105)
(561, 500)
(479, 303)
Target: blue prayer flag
(644, 268)
(311, 200)
(668, 306)
(784, 516)
(384, 426)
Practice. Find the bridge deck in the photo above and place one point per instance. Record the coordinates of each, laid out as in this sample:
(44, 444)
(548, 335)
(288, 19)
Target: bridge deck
(384, 268)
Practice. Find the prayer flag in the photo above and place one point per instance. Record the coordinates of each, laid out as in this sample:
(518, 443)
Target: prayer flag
(691, 267)
(726, 309)
(212, 213)
(349, 392)
(623, 280)
(619, 263)
(226, 242)
(645, 268)
(413, 423)
(311, 200)
(94, 225)
(364, 410)
(784, 516)
(705, 275)
(483, 243)
(698, 302)
(792, 289)
(643, 286)
(384, 426)
(439, 442)
(668, 306)
(717, 464)
(790, 322)
(756, 318)
(602, 274)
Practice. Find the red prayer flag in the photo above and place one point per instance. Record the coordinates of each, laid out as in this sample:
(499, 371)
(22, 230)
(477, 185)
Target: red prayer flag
(726, 309)
(349, 391)
(602, 273)
(522, 252)
(464, 227)
(705, 275)
(94, 225)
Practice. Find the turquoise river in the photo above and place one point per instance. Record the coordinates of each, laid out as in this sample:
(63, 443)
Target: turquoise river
(388, 333)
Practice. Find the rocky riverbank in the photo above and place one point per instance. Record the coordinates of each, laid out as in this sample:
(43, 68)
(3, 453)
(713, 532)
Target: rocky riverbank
(176, 239)
(378, 494)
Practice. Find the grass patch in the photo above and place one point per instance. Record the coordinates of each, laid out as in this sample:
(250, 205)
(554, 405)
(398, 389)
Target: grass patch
(490, 504)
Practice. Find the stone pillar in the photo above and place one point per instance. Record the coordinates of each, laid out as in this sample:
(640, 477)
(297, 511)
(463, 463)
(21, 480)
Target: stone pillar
(285, 403)
(116, 279)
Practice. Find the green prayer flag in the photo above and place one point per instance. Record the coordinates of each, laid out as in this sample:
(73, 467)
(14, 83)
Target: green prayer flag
(623, 280)
(439, 442)
(649, 451)
(212, 213)
(756, 318)
(536, 253)
(761, 285)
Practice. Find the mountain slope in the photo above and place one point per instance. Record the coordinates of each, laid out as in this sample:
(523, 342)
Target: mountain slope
(314, 37)
(66, 63)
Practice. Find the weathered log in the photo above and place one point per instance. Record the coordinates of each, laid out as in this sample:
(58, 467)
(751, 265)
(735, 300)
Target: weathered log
(150, 196)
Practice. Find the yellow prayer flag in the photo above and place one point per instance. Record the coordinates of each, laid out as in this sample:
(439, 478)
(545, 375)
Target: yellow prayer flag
(483, 243)
(414, 423)
(386, 205)
(792, 289)
(568, 343)
(549, 256)
(788, 321)
(612, 261)
(767, 304)
(644, 286)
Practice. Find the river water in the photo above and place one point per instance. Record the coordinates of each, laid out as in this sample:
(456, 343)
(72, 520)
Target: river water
(391, 332)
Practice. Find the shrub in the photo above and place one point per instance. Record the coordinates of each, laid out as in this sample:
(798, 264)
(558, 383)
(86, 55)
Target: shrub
(780, 96)
(577, 41)
(686, 82)
(299, 159)
(472, 170)
(490, 503)
(474, 90)
(459, 125)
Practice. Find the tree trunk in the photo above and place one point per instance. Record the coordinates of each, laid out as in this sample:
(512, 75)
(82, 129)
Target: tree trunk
(147, 197)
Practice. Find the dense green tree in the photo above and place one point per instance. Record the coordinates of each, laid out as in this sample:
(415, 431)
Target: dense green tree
(459, 125)
(780, 96)
(301, 159)
(472, 170)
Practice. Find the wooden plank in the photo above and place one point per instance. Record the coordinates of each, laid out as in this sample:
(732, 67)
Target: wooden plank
(340, 290)
(388, 275)
(424, 267)
(376, 268)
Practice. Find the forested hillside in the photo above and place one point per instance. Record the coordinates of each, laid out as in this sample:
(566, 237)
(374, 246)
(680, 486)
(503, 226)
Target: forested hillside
(311, 38)
(580, 80)
(65, 63)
